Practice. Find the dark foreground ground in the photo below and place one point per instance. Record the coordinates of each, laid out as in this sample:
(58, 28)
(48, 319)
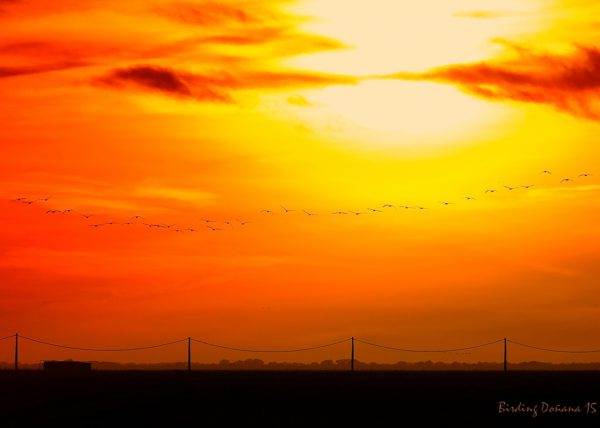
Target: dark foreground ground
(370, 399)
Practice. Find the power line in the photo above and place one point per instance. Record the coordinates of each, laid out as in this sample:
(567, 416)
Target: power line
(102, 349)
(428, 350)
(270, 350)
(327, 345)
(553, 350)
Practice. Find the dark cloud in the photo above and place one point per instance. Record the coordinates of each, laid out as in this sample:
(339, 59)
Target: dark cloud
(168, 81)
(569, 83)
(215, 87)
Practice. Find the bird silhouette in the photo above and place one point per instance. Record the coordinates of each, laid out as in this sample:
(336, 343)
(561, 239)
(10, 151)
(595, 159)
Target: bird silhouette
(242, 222)
(373, 210)
(446, 203)
(469, 198)
(308, 213)
(266, 211)
(388, 206)
(209, 221)
(566, 180)
(46, 199)
(509, 187)
(95, 225)
(339, 213)
(585, 174)
(87, 215)
(547, 172)
(528, 186)
(356, 212)
(214, 229)
(491, 191)
(286, 209)
(136, 217)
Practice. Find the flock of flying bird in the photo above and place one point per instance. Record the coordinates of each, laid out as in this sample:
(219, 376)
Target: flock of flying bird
(216, 226)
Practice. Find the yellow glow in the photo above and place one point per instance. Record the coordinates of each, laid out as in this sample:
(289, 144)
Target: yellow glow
(407, 110)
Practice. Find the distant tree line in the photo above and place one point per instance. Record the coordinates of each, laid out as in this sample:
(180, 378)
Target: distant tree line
(326, 365)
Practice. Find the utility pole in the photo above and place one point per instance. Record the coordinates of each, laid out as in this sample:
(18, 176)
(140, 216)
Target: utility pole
(189, 354)
(352, 356)
(16, 352)
(505, 364)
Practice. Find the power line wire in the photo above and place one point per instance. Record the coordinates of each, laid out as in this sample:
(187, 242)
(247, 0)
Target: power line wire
(140, 348)
(270, 350)
(231, 348)
(553, 350)
(427, 350)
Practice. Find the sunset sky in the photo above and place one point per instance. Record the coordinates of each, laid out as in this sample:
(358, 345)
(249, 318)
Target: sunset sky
(187, 111)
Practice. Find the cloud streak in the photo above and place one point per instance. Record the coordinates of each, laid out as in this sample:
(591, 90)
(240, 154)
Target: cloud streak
(6, 72)
(209, 13)
(569, 83)
(216, 87)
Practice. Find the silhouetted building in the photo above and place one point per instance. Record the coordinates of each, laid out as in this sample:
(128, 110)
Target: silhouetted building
(68, 366)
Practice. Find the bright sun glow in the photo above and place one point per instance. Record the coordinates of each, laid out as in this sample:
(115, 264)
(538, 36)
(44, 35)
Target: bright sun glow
(406, 109)
(414, 109)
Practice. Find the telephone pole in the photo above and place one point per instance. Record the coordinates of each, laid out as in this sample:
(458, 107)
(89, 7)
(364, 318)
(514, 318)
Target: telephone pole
(505, 363)
(352, 356)
(189, 354)
(16, 352)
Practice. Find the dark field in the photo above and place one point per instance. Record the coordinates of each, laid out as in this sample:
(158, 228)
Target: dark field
(373, 399)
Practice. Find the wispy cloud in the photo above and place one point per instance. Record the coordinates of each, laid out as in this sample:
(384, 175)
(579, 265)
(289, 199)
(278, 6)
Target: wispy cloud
(570, 83)
(210, 13)
(178, 193)
(37, 69)
(215, 87)
(567, 191)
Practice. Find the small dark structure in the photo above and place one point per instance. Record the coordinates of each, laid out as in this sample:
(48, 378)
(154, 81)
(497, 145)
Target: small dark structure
(68, 366)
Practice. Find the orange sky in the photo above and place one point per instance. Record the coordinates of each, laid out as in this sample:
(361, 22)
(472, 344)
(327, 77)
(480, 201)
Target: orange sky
(191, 110)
